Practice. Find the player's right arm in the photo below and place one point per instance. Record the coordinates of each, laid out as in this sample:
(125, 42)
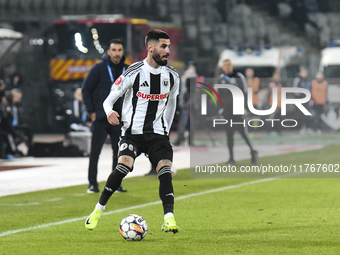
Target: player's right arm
(118, 88)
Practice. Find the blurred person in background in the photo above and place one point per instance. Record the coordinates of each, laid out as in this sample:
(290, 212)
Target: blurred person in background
(95, 88)
(79, 120)
(7, 145)
(275, 125)
(188, 80)
(319, 99)
(23, 132)
(2, 88)
(231, 76)
(254, 83)
(302, 81)
(12, 135)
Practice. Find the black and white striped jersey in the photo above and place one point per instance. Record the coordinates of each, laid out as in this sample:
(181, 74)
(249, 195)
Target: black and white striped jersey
(150, 98)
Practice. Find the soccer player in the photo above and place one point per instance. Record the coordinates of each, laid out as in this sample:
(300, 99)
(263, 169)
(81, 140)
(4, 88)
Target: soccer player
(150, 87)
(231, 76)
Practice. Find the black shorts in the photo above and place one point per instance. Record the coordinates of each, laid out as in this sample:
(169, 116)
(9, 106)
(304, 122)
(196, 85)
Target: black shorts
(155, 147)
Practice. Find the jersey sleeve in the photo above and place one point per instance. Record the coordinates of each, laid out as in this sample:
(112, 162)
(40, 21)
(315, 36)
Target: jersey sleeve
(118, 89)
(175, 89)
(171, 105)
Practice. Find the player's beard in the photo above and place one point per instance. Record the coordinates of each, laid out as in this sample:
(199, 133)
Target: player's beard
(158, 59)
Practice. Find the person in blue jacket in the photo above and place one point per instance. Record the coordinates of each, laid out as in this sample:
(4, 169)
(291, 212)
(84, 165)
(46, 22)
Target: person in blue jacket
(95, 88)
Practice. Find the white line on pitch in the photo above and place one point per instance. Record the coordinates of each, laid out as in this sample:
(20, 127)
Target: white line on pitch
(23, 204)
(140, 206)
(55, 199)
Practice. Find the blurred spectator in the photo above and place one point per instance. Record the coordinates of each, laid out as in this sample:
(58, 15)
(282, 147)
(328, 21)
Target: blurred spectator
(231, 76)
(188, 81)
(254, 83)
(275, 125)
(319, 99)
(7, 145)
(302, 81)
(2, 88)
(78, 118)
(23, 132)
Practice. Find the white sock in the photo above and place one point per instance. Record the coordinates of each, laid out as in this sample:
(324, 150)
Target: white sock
(100, 207)
(168, 215)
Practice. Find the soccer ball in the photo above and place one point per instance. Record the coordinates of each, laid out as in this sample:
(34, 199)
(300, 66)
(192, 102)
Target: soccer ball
(133, 227)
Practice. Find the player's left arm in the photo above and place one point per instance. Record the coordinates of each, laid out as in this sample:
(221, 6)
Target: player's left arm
(171, 105)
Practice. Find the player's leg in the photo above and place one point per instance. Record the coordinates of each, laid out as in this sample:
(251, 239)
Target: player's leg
(114, 132)
(161, 157)
(125, 165)
(98, 138)
(166, 194)
(166, 191)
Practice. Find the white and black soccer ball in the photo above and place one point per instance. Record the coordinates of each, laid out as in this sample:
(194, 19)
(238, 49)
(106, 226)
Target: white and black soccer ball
(133, 227)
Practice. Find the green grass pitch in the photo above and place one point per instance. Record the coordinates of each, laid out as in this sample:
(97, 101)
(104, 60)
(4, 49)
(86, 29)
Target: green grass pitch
(263, 216)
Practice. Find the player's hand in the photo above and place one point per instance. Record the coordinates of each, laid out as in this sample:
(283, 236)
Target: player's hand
(112, 118)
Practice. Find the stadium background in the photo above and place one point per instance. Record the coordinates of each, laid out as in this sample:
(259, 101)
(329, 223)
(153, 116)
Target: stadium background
(208, 28)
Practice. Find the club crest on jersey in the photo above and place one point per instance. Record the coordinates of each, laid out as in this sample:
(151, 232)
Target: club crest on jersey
(118, 81)
(165, 82)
